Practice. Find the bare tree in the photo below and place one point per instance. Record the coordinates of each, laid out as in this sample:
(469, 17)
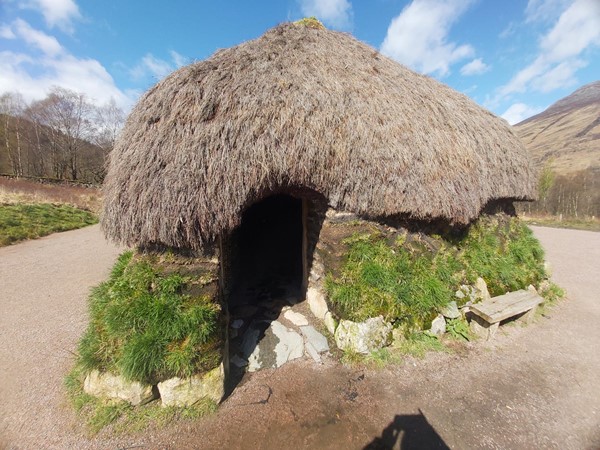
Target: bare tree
(68, 117)
(12, 107)
(109, 121)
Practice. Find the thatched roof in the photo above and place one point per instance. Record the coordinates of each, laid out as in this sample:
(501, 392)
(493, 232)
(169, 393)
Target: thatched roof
(310, 108)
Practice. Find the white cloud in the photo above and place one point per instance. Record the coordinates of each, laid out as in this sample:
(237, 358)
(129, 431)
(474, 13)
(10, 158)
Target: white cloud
(36, 38)
(6, 32)
(475, 67)
(157, 68)
(57, 13)
(518, 112)
(335, 13)
(34, 75)
(418, 37)
(560, 76)
(544, 10)
(560, 50)
(179, 59)
(508, 31)
(577, 28)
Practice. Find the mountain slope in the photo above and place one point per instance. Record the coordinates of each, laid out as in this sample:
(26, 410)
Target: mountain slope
(567, 133)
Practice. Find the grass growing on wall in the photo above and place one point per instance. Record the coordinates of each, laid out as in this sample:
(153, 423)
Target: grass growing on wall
(407, 283)
(379, 279)
(29, 221)
(145, 328)
(505, 254)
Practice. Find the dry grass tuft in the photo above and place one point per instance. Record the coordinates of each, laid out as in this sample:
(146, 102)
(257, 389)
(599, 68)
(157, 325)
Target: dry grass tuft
(15, 191)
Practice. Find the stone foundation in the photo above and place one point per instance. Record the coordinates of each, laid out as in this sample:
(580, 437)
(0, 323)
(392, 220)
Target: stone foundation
(172, 392)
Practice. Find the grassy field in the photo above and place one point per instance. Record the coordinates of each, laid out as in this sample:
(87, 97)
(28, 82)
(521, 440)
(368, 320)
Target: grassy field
(29, 221)
(30, 210)
(13, 191)
(589, 224)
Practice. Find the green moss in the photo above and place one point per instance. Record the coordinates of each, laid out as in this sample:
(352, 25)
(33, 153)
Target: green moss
(30, 221)
(143, 327)
(407, 281)
(310, 22)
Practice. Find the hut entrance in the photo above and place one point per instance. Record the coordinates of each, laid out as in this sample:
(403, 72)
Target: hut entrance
(265, 263)
(267, 257)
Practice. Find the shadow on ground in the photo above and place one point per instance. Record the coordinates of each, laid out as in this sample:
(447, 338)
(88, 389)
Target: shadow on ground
(408, 432)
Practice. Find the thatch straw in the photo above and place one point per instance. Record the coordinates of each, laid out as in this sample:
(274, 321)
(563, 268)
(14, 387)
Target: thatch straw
(311, 108)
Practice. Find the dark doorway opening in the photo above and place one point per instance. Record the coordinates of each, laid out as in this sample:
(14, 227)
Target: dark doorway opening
(267, 261)
(266, 272)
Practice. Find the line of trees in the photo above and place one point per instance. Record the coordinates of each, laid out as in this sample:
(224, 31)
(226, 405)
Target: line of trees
(64, 136)
(572, 195)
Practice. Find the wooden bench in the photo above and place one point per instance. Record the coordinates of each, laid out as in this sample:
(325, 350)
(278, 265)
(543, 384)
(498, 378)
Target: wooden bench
(487, 315)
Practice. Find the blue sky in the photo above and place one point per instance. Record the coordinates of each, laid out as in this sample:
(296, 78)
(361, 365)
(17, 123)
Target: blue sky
(514, 57)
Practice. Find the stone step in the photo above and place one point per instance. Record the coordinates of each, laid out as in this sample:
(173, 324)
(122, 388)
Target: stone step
(272, 343)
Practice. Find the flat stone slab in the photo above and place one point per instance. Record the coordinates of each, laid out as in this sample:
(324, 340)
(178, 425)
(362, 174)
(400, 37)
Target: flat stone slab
(296, 318)
(315, 339)
(277, 346)
(290, 346)
(312, 352)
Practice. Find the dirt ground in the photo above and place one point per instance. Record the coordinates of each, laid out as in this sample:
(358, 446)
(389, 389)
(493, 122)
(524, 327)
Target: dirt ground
(532, 387)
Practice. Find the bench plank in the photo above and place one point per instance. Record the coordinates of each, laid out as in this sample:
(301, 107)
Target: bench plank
(508, 305)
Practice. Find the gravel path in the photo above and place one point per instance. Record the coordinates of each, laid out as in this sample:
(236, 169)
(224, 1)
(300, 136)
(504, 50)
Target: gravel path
(532, 387)
(43, 288)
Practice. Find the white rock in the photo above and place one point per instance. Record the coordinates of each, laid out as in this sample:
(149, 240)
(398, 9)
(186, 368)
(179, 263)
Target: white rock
(290, 345)
(482, 289)
(531, 288)
(187, 391)
(314, 354)
(107, 385)
(363, 337)
(315, 339)
(330, 322)
(450, 311)
(254, 363)
(317, 303)
(438, 326)
(296, 318)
